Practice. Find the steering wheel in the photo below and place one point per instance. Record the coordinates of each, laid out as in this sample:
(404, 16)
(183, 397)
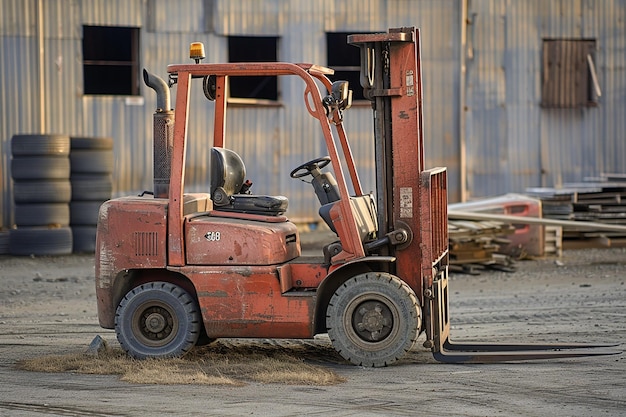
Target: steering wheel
(307, 167)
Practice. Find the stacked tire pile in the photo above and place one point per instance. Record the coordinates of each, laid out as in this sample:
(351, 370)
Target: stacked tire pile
(91, 171)
(40, 169)
(4, 241)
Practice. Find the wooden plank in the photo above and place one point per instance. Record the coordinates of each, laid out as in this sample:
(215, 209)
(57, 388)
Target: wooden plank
(457, 214)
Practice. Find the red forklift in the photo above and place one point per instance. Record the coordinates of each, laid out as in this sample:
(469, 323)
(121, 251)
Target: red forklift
(176, 269)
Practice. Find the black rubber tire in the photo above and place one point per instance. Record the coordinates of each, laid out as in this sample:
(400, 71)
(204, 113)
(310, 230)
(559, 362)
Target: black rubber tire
(4, 241)
(42, 191)
(40, 168)
(40, 241)
(373, 319)
(42, 145)
(84, 239)
(84, 212)
(91, 143)
(91, 161)
(89, 187)
(42, 214)
(173, 314)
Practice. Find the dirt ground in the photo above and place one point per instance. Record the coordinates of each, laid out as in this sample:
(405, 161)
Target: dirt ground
(47, 306)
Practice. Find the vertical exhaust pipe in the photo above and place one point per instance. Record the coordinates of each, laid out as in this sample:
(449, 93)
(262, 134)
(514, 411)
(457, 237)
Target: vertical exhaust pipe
(163, 135)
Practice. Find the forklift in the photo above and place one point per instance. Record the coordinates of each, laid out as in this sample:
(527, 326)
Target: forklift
(176, 269)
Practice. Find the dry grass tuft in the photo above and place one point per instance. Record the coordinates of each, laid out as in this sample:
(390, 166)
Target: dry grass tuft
(221, 363)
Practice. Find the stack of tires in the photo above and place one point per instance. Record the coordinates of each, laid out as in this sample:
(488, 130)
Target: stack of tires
(40, 169)
(91, 171)
(4, 241)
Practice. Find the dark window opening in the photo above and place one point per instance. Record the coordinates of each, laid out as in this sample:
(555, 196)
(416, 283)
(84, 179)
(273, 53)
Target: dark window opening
(253, 49)
(569, 76)
(345, 59)
(111, 60)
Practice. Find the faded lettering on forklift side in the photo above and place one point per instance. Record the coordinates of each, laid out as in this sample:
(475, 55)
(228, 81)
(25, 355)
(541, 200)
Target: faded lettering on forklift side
(406, 202)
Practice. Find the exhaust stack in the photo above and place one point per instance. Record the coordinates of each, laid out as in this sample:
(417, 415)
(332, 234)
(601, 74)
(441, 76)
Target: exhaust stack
(163, 135)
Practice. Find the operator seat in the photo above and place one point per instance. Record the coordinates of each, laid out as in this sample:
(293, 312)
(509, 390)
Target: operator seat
(229, 189)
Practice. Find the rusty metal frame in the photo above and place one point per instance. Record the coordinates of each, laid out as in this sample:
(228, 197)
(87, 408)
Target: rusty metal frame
(348, 230)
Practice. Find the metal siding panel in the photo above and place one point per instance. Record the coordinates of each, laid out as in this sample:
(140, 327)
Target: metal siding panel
(560, 18)
(20, 106)
(580, 143)
(303, 40)
(62, 19)
(132, 145)
(18, 18)
(186, 16)
(255, 134)
(441, 76)
(514, 142)
(249, 17)
(486, 92)
(63, 86)
(548, 147)
(611, 61)
(439, 24)
(341, 16)
(522, 91)
(112, 12)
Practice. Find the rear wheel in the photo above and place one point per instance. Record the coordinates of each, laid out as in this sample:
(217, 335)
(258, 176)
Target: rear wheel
(157, 320)
(373, 319)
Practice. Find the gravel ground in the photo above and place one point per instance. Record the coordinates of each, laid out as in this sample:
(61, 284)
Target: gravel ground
(47, 306)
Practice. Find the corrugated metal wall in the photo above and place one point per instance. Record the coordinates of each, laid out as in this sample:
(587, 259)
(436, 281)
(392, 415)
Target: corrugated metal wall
(481, 74)
(513, 143)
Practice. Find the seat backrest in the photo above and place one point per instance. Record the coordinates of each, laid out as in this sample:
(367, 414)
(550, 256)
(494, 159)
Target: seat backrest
(229, 190)
(228, 174)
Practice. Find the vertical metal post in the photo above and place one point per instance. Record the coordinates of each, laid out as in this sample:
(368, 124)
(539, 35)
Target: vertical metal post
(396, 92)
(462, 99)
(221, 97)
(175, 235)
(42, 77)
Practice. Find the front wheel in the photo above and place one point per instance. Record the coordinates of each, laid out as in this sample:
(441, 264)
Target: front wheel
(373, 319)
(157, 320)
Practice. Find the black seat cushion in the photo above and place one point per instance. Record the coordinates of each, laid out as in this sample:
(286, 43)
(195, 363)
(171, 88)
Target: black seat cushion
(257, 204)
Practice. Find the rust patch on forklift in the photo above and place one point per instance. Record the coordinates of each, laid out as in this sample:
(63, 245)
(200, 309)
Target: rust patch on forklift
(213, 294)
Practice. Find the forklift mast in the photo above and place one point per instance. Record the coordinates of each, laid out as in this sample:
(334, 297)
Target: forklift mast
(412, 201)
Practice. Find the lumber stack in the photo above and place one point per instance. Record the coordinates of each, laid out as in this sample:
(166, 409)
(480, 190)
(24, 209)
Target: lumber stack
(599, 199)
(474, 246)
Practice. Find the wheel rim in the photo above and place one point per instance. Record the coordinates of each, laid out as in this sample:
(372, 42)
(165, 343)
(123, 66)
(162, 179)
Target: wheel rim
(369, 321)
(154, 324)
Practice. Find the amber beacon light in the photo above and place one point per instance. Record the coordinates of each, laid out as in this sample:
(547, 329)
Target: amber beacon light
(196, 51)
